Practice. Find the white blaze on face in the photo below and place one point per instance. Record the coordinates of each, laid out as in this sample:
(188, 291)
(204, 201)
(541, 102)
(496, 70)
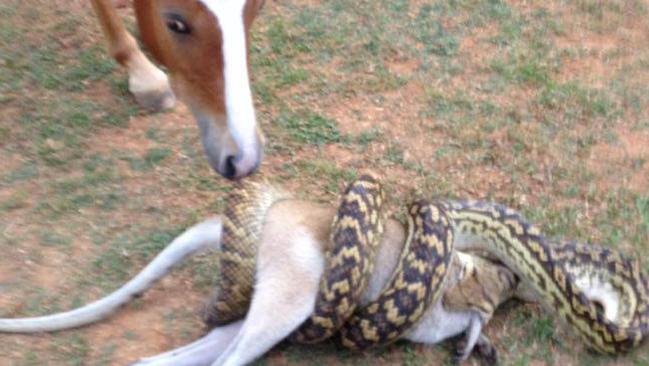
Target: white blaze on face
(238, 98)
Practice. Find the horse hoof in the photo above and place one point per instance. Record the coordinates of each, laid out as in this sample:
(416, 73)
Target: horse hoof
(156, 100)
(150, 86)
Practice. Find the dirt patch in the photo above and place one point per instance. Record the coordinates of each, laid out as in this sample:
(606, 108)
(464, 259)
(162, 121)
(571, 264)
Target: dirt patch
(165, 317)
(631, 150)
(396, 112)
(601, 54)
(596, 67)
(404, 67)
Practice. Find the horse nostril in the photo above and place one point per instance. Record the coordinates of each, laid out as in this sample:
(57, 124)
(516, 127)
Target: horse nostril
(230, 170)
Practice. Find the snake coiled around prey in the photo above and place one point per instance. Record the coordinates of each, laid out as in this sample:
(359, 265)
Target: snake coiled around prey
(243, 218)
(599, 293)
(569, 279)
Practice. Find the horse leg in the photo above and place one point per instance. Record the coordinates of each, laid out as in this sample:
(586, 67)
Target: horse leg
(149, 85)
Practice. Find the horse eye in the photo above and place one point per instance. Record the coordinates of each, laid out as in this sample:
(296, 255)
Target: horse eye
(177, 25)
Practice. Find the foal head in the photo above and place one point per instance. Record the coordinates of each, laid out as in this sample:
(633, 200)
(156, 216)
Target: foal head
(203, 44)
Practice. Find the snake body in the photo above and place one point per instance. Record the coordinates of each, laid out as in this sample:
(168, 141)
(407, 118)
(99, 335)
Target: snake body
(563, 276)
(416, 283)
(243, 219)
(577, 281)
(356, 232)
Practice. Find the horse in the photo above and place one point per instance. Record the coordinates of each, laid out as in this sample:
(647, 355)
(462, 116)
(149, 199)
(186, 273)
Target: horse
(203, 44)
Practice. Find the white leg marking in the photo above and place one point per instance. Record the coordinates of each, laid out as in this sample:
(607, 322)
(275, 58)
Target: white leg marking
(439, 324)
(149, 84)
(473, 333)
(198, 353)
(238, 97)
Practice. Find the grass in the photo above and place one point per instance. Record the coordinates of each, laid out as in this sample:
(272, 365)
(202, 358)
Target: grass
(541, 105)
(308, 127)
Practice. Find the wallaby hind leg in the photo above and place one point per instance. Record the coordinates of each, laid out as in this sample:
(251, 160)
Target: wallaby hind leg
(149, 85)
(285, 292)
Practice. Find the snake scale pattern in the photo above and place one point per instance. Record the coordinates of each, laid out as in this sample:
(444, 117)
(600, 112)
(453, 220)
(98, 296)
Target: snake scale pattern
(356, 232)
(574, 280)
(243, 219)
(416, 283)
(562, 275)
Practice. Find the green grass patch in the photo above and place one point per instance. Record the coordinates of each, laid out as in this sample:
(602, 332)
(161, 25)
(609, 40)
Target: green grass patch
(328, 172)
(309, 127)
(15, 201)
(574, 102)
(152, 158)
(125, 253)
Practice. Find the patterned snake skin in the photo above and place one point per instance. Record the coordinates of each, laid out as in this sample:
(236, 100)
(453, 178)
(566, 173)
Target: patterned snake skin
(578, 281)
(242, 224)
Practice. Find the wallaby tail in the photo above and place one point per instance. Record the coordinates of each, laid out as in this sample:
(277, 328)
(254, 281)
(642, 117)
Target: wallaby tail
(206, 234)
